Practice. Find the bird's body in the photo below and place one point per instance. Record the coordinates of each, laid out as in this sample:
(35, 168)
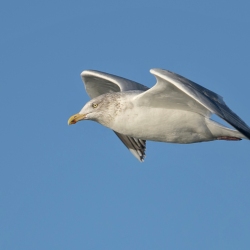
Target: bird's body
(170, 125)
(175, 110)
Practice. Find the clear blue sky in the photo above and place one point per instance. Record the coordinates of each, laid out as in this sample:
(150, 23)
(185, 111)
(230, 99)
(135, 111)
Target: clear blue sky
(78, 187)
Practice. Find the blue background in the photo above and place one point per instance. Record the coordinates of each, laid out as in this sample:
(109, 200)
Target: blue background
(78, 187)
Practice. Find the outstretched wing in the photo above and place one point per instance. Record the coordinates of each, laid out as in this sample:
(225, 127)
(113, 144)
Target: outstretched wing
(136, 146)
(176, 92)
(98, 83)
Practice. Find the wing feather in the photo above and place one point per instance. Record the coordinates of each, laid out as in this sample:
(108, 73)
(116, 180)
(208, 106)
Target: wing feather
(175, 91)
(136, 146)
(98, 83)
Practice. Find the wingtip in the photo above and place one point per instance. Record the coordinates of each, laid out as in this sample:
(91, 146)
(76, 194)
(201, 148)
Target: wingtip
(142, 159)
(138, 155)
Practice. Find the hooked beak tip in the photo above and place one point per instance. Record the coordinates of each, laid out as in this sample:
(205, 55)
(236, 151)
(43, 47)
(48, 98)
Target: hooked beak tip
(75, 118)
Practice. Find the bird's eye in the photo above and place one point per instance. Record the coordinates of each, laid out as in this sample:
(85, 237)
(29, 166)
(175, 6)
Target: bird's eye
(94, 105)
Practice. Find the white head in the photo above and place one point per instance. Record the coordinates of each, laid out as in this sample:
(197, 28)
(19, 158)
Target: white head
(99, 109)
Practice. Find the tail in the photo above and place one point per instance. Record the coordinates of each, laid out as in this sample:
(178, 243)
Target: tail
(221, 132)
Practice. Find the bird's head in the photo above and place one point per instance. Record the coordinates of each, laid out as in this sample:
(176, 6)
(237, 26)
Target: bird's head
(96, 109)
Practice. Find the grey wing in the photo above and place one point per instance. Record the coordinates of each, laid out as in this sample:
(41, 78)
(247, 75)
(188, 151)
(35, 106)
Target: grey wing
(136, 146)
(98, 83)
(188, 95)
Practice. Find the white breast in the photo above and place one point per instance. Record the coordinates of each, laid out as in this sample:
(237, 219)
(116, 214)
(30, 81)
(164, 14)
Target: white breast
(165, 125)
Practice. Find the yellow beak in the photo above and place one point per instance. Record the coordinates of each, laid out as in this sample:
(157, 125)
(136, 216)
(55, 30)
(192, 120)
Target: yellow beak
(76, 118)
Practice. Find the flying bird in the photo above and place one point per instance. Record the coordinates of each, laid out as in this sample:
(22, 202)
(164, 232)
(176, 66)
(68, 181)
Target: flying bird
(174, 110)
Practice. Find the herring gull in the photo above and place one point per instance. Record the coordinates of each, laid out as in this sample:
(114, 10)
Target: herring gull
(174, 110)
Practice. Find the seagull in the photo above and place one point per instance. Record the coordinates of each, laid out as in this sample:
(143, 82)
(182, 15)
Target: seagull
(174, 110)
